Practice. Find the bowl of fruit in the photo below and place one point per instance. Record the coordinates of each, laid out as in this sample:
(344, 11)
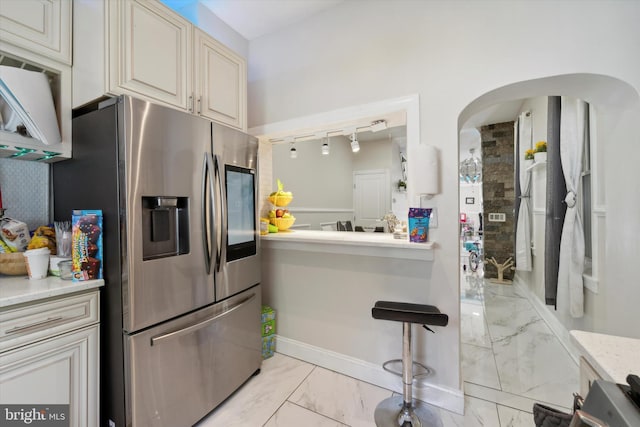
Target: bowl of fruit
(280, 198)
(281, 218)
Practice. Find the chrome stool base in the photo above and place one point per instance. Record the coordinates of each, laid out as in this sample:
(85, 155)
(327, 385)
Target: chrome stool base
(392, 413)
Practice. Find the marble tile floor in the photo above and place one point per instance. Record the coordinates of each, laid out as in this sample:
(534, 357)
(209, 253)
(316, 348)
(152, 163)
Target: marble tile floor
(510, 360)
(291, 393)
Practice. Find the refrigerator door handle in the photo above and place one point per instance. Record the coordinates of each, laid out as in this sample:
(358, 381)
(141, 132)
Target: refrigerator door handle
(220, 254)
(208, 220)
(192, 328)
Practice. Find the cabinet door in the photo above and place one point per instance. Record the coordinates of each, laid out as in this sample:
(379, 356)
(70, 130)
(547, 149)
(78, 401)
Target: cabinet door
(221, 82)
(587, 376)
(60, 370)
(40, 26)
(151, 52)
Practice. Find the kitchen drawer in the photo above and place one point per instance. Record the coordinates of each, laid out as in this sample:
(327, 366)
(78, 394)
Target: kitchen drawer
(34, 322)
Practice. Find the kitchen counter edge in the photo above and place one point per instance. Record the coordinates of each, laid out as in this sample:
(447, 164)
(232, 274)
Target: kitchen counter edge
(350, 243)
(612, 357)
(20, 289)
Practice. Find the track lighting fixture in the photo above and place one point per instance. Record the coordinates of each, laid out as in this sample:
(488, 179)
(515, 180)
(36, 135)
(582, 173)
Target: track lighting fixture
(378, 125)
(355, 147)
(325, 147)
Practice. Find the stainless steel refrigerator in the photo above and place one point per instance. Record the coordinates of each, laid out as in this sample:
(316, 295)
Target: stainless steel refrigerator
(180, 309)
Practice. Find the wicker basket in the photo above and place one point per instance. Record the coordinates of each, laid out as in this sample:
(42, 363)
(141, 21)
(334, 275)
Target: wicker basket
(13, 264)
(280, 201)
(283, 223)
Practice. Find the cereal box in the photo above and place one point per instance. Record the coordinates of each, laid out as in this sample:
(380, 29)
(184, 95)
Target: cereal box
(419, 224)
(86, 245)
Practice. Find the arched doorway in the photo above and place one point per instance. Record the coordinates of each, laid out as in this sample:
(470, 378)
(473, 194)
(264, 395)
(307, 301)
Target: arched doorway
(498, 336)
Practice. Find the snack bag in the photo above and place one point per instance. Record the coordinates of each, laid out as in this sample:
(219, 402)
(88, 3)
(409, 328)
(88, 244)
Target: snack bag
(419, 224)
(86, 245)
(15, 234)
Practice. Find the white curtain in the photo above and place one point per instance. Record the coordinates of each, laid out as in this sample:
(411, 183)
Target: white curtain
(572, 137)
(523, 229)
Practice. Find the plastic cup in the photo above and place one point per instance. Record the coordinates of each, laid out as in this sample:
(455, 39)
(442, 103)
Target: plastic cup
(37, 261)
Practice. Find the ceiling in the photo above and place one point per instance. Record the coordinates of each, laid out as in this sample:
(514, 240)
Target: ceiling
(256, 18)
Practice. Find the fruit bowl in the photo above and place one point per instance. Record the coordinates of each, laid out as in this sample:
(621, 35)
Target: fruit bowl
(13, 264)
(283, 223)
(280, 200)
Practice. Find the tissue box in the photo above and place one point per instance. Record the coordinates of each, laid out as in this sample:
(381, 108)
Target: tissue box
(86, 245)
(268, 346)
(268, 321)
(419, 224)
(268, 327)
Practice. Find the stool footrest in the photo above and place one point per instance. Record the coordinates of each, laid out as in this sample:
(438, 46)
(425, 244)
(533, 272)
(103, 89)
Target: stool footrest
(418, 369)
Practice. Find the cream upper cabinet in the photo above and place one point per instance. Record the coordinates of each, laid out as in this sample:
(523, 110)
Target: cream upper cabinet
(144, 49)
(220, 82)
(39, 26)
(151, 52)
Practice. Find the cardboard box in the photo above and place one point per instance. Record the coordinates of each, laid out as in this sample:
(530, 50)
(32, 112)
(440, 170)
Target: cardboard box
(419, 224)
(268, 313)
(268, 346)
(268, 321)
(268, 327)
(86, 245)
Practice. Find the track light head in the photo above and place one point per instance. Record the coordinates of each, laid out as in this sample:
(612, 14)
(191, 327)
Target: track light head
(355, 146)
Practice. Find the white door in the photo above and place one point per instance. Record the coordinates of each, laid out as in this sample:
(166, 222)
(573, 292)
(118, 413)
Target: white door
(371, 194)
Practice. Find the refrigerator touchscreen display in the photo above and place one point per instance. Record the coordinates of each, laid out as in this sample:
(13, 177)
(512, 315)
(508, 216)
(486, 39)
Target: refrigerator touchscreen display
(241, 226)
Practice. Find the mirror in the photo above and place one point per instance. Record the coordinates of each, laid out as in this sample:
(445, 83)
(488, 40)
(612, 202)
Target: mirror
(342, 185)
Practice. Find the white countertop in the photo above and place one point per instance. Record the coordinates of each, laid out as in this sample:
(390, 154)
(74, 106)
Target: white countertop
(349, 242)
(612, 357)
(20, 289)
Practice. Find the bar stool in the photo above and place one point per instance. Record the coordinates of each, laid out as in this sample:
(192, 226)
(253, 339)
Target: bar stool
(402, 410)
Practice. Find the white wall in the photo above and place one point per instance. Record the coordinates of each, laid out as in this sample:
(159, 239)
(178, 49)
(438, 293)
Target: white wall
(316, 181)
(450, 54)
(207, 21)
(472, 210)
(323, 183)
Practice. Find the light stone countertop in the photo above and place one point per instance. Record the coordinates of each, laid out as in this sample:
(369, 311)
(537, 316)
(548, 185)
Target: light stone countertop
(20, 289)
(611, 356)
(350, 243)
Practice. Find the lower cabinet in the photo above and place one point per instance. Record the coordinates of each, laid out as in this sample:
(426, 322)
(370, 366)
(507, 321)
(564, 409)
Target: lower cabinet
(587, 376)
(59, 370)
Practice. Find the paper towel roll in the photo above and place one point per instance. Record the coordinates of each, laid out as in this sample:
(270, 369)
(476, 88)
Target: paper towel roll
(426, 169)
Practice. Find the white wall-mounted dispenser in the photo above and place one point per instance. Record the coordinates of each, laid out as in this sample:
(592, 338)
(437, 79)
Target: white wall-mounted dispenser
(426, 170)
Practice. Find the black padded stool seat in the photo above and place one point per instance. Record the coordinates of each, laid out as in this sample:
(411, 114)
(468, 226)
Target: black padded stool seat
(406, 312)
(404, 411)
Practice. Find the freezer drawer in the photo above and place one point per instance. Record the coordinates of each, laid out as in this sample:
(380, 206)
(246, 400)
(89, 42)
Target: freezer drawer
(179, 371)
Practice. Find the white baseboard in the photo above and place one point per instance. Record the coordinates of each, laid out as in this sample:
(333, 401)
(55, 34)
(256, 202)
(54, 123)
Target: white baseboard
(552, 321)
(443, 397)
